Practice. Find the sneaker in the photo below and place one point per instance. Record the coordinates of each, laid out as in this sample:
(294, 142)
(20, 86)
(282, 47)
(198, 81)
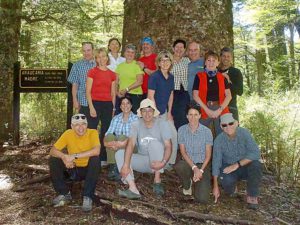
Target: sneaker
(61, 200)
(252, 202)
(158, 189)
(87, 204)
(128, 194)
(188, 191)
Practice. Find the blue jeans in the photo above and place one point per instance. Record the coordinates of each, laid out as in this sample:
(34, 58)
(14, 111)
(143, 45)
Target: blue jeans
(252, 172)
(90, 174)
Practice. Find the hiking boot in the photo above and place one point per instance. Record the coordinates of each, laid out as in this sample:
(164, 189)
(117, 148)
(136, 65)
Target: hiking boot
(128, 194)
(61, 200)
(113, 173)
(158, 189)
(188, 191)
(252, 202)
(87, 204)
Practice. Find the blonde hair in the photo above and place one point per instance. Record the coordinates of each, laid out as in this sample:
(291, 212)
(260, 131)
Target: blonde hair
(98, 52)
(164, 54)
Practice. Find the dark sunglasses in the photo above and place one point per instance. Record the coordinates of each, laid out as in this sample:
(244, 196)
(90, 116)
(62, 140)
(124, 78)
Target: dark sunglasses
(79, 117)
(225, 125)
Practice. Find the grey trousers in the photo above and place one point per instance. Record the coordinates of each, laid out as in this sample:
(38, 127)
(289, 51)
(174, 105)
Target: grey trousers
(202, 188)
(173, 157)
(141, 160)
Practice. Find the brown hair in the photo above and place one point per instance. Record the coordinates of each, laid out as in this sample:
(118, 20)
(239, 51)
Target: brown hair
(212, 54)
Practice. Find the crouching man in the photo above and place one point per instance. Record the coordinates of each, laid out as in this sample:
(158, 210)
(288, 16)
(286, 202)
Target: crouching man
(81, 162)
(153, 139)
(236, 157)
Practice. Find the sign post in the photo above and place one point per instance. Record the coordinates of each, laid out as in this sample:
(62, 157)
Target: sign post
(39, 80)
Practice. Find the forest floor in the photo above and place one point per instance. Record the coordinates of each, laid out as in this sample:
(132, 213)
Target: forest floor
(26, 195)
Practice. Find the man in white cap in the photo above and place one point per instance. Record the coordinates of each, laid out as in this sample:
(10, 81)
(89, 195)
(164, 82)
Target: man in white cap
(80, 162)
(152, 136)
(236, 157)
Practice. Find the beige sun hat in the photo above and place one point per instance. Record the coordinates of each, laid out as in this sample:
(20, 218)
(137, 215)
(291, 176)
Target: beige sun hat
(146, 103)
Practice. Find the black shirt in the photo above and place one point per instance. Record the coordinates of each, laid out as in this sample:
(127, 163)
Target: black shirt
(212, 87)
(236, 86)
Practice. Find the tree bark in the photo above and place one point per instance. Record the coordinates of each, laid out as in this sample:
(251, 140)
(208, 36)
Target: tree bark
(209, 22)
(10, 23)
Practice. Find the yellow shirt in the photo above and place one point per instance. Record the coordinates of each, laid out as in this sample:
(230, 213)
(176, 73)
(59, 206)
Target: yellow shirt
(77, 144)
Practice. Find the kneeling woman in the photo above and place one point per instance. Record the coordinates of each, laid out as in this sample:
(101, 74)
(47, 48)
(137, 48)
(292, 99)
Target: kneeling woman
(195, 144)
(211, 91)
(117, 135)
(101, 95)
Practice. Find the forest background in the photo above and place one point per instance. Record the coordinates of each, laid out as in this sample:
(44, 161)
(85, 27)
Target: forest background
(266, 50)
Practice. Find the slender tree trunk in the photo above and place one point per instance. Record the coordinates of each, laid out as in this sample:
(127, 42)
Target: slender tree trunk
(293, 75)
(260, 65)
(246, 73)
(209, 22)
(10, 23)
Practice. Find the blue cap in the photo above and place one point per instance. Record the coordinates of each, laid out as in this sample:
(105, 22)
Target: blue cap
(147, 40)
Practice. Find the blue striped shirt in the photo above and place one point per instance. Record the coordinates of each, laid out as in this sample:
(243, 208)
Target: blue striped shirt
(195, 142)
(229, 151)
(119, 127)
(78, 76)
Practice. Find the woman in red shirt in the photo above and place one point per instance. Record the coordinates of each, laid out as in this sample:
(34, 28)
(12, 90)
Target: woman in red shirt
(101, 95)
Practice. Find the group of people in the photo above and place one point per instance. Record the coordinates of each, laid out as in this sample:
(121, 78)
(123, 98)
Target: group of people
(149, 109)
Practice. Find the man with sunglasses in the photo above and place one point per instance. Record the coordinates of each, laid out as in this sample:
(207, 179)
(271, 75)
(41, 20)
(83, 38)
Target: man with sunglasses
(236, 157)
(79, 162)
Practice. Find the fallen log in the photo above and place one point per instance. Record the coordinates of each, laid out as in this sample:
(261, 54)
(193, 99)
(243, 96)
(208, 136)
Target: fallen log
(22, 187)
(185, 214)
(204, 217)
(131, 214)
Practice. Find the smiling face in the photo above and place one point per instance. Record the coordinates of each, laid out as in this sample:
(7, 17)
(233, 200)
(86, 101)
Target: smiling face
(193, 117)
(102, 59)
(147, 114)
(179, 50)
(114, 46)
(129, 54)
(125, 106)
(147, 49)
(79, 128)
(87, 51)
(226, 59)
(211, 63)
(164, 64)
(230, 128)
(193, 51)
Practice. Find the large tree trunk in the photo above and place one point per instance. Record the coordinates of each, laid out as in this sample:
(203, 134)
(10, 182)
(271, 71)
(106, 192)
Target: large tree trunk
(209, 22)
(10, 22)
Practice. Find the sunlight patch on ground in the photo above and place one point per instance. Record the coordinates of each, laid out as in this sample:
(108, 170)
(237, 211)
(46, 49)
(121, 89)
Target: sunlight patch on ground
(5, 182)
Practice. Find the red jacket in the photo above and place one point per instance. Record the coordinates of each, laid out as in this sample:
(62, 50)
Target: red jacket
(203, 91)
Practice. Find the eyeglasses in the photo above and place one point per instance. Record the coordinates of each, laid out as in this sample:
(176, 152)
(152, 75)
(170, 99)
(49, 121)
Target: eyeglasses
(225, 125)
(79, 117)
(165, 60)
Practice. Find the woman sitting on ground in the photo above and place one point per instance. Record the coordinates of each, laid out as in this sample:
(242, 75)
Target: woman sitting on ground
(117, 135)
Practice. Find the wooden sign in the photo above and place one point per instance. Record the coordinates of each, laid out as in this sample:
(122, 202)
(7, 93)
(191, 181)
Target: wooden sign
(42, 78)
